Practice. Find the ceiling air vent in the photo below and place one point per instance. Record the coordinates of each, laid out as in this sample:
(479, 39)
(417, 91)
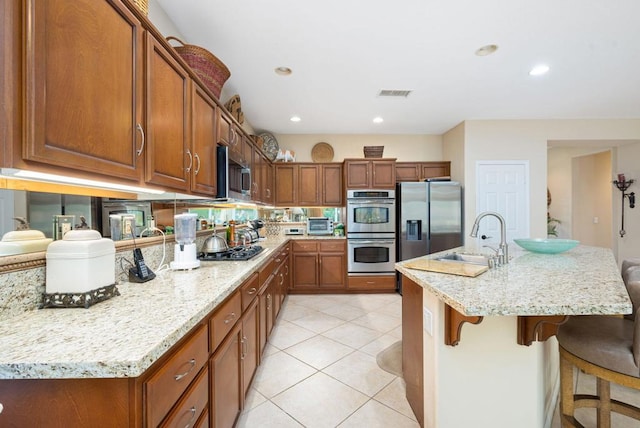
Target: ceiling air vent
(394, 93)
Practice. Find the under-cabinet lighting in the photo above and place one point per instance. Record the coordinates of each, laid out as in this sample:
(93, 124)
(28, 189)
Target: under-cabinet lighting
(53, 178)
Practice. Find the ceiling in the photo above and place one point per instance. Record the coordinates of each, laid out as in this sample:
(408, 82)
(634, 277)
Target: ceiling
(343, 52)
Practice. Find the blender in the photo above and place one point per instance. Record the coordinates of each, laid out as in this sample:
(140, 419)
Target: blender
(185, 256)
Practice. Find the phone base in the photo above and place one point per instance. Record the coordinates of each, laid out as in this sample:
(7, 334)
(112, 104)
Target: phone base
(133, 276)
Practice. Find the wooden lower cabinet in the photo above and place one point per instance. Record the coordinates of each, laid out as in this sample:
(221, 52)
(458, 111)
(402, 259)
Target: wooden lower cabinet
(318, 265)
(250, 344)
(226, 375)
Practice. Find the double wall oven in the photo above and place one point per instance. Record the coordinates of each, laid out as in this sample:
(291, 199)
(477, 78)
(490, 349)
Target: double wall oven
(371, 232)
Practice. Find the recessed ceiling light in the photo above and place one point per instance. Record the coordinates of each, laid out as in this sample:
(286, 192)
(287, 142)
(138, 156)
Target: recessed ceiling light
(295, 119)
(486, 50)
(378, 119)
(539, 70)
(283, 71)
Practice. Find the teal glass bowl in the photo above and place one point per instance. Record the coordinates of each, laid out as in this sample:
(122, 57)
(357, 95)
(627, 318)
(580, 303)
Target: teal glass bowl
(546, 246)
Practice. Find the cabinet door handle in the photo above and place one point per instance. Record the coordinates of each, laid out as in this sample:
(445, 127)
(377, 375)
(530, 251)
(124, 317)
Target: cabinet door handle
(190, 160)
(194, 412)
(181, 375)
(281, 279)
(229, 317)
(139, 128)
(268, 301)
(195, 155)
(252, 291)
(245, 347)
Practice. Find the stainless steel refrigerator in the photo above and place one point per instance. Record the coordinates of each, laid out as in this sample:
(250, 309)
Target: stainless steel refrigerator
(429, 218)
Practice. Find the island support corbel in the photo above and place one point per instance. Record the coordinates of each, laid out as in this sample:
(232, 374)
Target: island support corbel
(453, 321)
(540, 328)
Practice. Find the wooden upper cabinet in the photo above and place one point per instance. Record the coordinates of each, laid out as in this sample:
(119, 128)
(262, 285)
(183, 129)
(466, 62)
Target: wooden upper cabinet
(258, 190)
(83, 82)
(224, 128)
(435, 169)
(203, 123)
(268, 181)
(308, 184)
(407, 171)
(419, 171)
(168, 121)
(370, 174)
(286, 184)
(331, 185)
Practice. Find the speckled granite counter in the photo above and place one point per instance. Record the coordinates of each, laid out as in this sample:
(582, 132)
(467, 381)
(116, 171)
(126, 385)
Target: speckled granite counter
(123, 336)
(582, 281)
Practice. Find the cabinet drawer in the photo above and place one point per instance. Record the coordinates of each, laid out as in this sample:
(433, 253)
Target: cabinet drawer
(172, 379)
(203, 422)
(336, 245)
(305, 246)
(224, 320)
(249, 291)
(373, 283)
(192, 404)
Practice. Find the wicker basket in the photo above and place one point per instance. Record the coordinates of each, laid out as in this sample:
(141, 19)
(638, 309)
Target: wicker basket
(209, 69)
(373, 151)
(143, 5)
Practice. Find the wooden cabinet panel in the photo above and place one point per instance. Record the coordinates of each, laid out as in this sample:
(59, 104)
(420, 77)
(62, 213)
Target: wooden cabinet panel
(412, 346)
(286, 184)
(168, 128)
(357, 174)
(419, 171)
(407, 171)
(258, 190)
(225, 367)
(305, 270)
(308, 185)
(224, 128)
(384, 174)
(203, 134)
(224, 319)
(83, 72)
(332, 191)
(250, 344)
(191, 405)
(370, 174)
(268, 182)
(168, 383)
(332, 270)
(435, 169)
(318, 264)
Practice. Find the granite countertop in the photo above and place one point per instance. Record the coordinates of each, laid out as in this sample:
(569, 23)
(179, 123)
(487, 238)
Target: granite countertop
(123, 336)
(582, 281)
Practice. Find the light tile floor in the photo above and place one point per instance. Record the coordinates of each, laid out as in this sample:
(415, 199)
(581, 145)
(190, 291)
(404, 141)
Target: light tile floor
(320, 369)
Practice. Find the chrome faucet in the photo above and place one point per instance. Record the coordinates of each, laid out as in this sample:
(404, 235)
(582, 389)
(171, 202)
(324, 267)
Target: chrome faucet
(503, 249)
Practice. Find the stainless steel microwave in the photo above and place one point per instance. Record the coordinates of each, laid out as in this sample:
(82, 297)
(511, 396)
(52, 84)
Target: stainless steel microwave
(234, 176)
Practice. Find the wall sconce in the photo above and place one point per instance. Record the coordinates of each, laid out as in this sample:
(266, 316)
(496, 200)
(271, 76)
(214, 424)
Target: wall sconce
(623, 184)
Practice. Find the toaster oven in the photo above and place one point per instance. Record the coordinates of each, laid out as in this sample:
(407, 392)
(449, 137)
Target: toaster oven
(319, 226)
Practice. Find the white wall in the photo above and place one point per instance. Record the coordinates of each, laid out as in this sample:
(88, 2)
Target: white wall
(402, 147)
(628, 162)
(453, 150)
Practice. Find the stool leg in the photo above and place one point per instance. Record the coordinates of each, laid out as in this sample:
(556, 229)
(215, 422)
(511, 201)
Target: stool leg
(604, 407)
(566, 393)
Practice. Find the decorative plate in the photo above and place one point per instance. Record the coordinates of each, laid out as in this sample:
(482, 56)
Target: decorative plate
(234, 106)
(270, 145)
(322, 152)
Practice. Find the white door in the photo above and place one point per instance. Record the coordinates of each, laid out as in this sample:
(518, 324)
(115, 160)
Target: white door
(503, 187)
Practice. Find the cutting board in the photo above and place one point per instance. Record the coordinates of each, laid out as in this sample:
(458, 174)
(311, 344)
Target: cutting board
(452, 268)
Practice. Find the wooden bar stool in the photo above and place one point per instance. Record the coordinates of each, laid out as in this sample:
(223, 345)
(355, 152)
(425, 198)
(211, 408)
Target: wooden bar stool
(606, 347)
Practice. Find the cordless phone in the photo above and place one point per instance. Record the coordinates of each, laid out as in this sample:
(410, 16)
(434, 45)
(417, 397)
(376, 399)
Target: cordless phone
(140, 273)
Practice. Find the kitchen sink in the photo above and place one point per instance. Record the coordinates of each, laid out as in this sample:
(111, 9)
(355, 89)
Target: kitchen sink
(477, 259)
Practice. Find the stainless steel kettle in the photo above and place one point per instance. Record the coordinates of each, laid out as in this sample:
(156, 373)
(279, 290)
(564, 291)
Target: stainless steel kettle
(215, 244)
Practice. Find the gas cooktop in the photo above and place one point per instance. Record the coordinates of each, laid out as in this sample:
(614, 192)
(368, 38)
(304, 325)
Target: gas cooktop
(233, 254)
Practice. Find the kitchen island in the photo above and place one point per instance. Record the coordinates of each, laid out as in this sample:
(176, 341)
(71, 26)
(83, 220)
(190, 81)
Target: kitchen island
(480, 364)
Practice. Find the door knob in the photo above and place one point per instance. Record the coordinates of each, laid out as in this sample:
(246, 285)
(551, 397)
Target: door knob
(485, 237)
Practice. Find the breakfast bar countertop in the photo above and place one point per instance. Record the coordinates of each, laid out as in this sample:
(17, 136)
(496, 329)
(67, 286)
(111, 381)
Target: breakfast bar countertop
(582, 281)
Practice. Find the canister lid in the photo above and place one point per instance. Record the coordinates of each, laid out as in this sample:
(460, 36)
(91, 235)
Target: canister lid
(22, 235)
(82, 235)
